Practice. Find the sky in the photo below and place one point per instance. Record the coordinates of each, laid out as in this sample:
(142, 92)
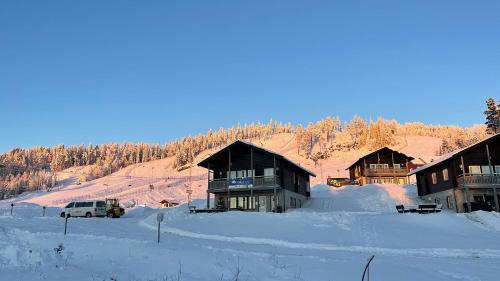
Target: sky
(80, 72)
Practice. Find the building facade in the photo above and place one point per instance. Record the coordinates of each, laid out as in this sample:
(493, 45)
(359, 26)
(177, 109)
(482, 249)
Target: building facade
(464, 180)
(381, 166)
(243, 176)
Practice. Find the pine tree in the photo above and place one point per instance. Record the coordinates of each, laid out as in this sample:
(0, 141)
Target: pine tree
(492, 117)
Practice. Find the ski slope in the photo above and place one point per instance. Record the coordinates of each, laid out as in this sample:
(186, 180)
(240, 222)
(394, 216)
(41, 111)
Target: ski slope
(132, 183)
(329, 239)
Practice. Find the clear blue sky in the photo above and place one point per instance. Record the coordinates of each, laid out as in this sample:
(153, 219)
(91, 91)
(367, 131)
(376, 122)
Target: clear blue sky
(77, 72)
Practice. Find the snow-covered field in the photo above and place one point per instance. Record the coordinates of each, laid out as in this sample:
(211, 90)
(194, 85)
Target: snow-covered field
(329, 239)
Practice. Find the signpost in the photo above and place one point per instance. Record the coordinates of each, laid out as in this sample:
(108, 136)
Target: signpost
(159, 219)
(66, 223)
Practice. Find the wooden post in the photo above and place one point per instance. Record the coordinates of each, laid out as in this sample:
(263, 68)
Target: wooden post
(253, 180)
(466, 188)
(365, 174)
(492, 174)
(208, 186)
(228, 182)
(274, 179)
(393, 168)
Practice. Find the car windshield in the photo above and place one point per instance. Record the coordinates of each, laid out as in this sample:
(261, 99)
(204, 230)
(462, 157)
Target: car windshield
(70, 205)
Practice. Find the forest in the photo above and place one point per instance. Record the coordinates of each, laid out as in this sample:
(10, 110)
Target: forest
(23, 169)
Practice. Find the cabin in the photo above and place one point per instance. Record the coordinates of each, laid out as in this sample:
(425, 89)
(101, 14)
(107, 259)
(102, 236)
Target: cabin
(381, 166)
(464, 180)
(167, 204)
(243, 176)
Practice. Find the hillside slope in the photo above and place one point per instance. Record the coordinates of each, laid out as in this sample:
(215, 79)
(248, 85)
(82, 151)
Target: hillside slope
(133, 182)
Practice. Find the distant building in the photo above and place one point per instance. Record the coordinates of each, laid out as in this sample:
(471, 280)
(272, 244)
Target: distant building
(167, 204)
(381, 166)
(464, 180)
(243, 176)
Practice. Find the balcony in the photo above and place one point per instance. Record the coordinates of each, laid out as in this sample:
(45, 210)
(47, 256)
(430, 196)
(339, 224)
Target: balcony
(479, 181)
(386, 172)
(259, 182)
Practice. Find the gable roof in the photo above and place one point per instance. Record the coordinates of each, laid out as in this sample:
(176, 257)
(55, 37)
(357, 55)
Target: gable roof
(453, 154)
(377, 151)
(204, 162)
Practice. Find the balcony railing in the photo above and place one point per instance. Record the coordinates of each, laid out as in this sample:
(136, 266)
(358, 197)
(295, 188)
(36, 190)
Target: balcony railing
(244, 183)
(372, 172)
(478, 181)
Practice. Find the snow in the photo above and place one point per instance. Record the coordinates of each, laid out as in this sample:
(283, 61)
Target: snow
(329, 239)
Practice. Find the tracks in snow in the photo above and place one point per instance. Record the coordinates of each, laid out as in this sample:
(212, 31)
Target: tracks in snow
(416, 252)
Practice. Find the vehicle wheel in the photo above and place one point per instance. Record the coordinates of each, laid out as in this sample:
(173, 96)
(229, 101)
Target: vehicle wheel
(63, 215)
(88, 215)
(110, 215)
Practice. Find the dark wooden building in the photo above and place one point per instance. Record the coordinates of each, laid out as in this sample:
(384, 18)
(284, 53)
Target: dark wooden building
(247, 177)
(381, 166)
(466, 179)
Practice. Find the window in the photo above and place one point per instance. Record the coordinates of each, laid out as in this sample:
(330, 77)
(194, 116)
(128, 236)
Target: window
(497, 169)
(70, 205)
(79, 204)
(434, 178)
(101, 204)
(485, 170)
(308, 186)
(445, 174)
(89, 204)
(268, 172)
(373, 166)
(397, 166)
(475, 170)
(250, 173)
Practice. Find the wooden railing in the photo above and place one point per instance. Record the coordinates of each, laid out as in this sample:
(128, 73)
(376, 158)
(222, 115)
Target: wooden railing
(386, 172)
(258, 182)
(478, 181)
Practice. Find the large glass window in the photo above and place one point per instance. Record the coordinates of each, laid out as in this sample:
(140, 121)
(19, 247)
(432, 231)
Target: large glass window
(233, 203)
(475, 170)
(268, 172)
(485, 170)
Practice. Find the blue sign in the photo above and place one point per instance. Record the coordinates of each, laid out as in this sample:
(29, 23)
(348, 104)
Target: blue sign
(241, 182)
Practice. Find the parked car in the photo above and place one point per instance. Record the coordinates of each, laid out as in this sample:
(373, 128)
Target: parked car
(86, 209)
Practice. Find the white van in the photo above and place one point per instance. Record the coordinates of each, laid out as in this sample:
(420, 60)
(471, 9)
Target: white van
(86, 209)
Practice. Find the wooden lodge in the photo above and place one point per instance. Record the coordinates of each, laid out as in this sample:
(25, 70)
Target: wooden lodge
(243, 176)
(464, 180)
(381, 166)
(167, 204)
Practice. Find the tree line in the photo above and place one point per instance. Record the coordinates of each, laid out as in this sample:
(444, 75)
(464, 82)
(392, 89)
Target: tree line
(35, 168)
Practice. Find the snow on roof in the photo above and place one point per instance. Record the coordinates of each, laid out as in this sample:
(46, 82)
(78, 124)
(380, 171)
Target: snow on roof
(451, 155)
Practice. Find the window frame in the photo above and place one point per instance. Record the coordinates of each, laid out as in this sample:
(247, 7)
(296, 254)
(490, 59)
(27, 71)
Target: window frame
(434, 178)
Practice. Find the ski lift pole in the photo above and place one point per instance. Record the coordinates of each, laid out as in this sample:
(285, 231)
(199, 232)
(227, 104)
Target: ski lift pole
(367, 269)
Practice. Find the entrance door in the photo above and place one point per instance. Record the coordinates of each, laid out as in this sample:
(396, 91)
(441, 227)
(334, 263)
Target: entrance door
(262, 203)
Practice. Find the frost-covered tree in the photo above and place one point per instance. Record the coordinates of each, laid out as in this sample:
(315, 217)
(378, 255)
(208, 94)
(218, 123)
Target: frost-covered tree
(492, 113)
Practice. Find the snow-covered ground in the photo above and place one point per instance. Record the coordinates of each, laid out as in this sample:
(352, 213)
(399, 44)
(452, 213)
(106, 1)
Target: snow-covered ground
(329, 239)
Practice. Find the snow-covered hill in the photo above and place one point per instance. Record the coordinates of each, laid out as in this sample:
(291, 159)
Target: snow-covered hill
(329, 239)
(133, 182)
